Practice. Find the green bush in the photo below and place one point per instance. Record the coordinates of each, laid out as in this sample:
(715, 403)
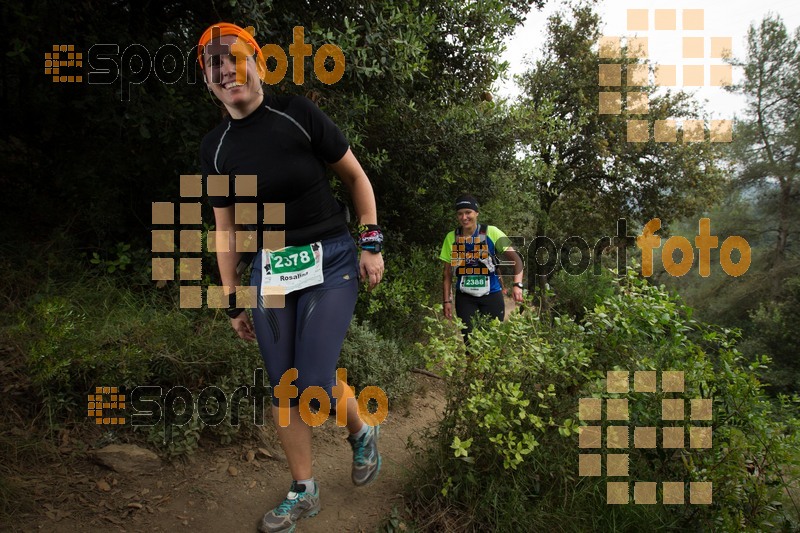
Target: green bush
(97, 332)
(575, 294)
(505, 456)
(396, 306)
(775, 332)
(372, 360)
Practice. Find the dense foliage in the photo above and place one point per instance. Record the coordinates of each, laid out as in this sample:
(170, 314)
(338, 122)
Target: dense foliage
(767, 138)
(84, 161)
(587, 171)
(410, 104)
(506, 453)
(762, 207)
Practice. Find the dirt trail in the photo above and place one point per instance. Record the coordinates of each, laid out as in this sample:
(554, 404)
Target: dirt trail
(219, 490)
(206, 495)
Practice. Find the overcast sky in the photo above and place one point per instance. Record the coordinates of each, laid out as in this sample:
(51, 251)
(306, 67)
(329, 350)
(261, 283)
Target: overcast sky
(729, 18)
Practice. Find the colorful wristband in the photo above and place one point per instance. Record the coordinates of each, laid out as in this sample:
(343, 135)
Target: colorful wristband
(370, 238)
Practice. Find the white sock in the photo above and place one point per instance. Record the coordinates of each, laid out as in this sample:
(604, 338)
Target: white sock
(309, 484)
(361, 432)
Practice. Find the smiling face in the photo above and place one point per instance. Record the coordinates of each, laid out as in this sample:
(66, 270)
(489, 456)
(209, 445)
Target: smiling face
(240, 95)
(468, 219)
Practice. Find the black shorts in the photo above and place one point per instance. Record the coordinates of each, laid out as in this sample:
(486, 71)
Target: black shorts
(468, 306)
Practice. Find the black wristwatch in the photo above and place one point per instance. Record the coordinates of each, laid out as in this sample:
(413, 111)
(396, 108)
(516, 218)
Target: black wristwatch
(374, 247)
(519, 284)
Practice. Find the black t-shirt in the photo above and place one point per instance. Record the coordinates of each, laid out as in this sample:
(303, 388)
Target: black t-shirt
(286, 143)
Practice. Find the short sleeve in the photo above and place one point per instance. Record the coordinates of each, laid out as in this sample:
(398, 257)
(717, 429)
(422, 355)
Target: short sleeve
(447, 247)
(501, 242)
(206, 169)
(327, 140)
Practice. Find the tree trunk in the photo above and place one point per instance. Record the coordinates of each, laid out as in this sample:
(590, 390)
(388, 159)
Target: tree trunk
(540, 280)
(540, 277)
(784, 205)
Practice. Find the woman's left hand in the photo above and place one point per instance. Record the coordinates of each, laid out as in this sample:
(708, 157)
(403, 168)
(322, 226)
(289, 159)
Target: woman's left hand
(517, 292)
(371, 268)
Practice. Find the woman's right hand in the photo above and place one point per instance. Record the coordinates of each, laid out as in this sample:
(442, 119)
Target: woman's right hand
(448, 310)
(243, 327)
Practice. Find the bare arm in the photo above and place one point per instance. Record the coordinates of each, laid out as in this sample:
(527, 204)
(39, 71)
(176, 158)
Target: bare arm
(447, 285)
(227, 256)
(227, 259)
(353, 176)
(511, 255)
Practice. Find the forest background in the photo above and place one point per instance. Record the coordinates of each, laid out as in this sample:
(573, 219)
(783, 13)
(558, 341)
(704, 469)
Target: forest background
(83, 164)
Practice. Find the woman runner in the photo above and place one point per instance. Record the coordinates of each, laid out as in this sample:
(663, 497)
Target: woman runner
(288, 144)
(469, 252)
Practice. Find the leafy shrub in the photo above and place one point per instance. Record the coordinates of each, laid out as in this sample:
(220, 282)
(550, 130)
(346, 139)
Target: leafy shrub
(118, 259)
(396, 306)
(644, 328)
(82, 334)
(95, 332)
(574, 295)
(505, 456)
(372, 360)
(775, 332)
